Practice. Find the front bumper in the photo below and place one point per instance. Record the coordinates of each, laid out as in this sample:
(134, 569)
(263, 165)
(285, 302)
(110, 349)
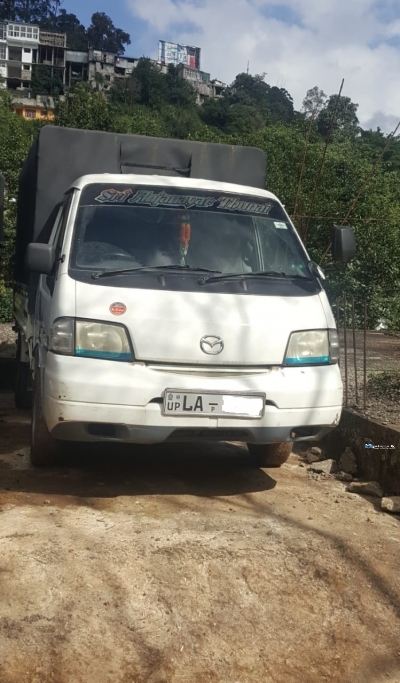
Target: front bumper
(95, 400)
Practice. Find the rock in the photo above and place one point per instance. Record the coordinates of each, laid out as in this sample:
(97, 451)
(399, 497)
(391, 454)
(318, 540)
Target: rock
(312, 458)
(347, 462)
(314, 454)
(367, 488)
(324, 467)
(344, 476)
(391, 504)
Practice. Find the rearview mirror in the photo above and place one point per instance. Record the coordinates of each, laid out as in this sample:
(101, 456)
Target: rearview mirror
(343, 243)
(39, 258)
(2, 188)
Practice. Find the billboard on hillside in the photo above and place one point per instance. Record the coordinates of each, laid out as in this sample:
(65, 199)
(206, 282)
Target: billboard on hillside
(172, 53)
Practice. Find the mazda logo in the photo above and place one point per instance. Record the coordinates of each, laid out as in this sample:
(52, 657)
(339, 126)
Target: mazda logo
(211, 345)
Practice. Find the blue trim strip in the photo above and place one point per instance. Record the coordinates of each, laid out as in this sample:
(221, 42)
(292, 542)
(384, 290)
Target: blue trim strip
(107, 355)
(307, 361)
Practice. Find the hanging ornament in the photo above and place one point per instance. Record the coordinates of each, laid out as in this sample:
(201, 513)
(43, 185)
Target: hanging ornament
(184, 237)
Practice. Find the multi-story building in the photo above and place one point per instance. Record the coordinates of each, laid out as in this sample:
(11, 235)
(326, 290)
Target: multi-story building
(25, 47)
(77, 67)
(18, 52)
(201, 82)
(22, 47)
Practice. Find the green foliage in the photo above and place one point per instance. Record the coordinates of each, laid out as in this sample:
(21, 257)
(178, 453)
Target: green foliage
(149, 84)
(85, 109)
(345, 120)
(6, 299)
(253, 113)
(64, 22)
(25, 11)
(313, 102)
(46, 80)
(178, 91)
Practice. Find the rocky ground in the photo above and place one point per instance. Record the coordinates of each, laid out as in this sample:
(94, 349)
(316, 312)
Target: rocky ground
(7, 341)
(182, 564)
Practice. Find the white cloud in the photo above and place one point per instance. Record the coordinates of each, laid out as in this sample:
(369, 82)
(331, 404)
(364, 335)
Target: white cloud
(335, 39)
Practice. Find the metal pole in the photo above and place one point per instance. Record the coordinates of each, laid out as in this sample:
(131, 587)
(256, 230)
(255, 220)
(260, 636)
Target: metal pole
(345, 351)
(354, 347)
(365, 354)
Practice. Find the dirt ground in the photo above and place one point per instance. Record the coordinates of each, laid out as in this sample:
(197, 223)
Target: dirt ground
(181, 564)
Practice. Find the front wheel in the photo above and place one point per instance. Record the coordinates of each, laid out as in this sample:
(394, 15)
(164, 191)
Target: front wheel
(269, 454)
(45, 450)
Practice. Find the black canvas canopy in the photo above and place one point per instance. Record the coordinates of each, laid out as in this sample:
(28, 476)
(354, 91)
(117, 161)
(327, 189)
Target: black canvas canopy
(60, 156)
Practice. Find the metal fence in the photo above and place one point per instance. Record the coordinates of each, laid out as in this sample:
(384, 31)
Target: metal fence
(353, 351)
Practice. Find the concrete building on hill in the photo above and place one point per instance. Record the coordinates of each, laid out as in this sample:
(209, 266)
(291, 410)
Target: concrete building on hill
(26, 47)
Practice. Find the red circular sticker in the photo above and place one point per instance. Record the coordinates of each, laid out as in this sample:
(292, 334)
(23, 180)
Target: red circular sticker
(118, 308)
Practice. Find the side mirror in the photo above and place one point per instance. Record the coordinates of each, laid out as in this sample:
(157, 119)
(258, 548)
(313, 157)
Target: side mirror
(343, 243)
(39, 258)
(2, 188)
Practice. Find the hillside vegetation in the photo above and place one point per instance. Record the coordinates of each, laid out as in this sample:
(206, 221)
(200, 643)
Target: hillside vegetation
(358, 182)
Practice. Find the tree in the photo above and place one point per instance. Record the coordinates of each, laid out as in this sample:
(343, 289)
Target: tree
(345, 122)
(149, 84)
(85, 109)
(63, 22)
(249, 90)
(215, 112)
(243, 119)
(103, 35)
(313, 102)
(124, 93)
(179, 92)
(25, 11)
(46, 81)
(279, 105)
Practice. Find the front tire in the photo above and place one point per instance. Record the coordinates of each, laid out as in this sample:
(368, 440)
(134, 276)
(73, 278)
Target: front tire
(269, 454)
(45, 450)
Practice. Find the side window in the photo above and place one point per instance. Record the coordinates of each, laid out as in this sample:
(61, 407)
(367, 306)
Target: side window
(56, 226)
(60, 224)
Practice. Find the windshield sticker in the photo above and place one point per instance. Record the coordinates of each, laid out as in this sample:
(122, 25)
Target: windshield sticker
(234, 204)
(113, 196)
(280, 226)
(162, 198)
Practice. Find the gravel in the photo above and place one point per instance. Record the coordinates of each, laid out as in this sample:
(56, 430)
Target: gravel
(8, 340)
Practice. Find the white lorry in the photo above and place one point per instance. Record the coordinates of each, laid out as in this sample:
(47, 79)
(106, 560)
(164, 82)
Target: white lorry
(163, 295)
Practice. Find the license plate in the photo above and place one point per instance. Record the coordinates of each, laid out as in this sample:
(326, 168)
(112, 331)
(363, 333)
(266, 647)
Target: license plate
(194, 403)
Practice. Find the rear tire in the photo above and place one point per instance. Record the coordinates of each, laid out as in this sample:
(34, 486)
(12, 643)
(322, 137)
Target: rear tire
(269, 454)
(45, 450)
(23, 381)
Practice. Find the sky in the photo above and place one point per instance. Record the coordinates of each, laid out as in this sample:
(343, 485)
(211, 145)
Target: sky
(298, 43)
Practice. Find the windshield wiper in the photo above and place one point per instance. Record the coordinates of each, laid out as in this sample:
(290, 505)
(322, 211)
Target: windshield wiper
(261, 273)
(150, 269)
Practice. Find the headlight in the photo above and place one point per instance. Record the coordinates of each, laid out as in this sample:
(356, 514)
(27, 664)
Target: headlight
(62, 336)
(313, 347)
(90, 339)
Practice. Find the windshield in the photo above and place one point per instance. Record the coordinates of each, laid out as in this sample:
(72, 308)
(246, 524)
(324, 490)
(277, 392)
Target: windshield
(123, 228)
